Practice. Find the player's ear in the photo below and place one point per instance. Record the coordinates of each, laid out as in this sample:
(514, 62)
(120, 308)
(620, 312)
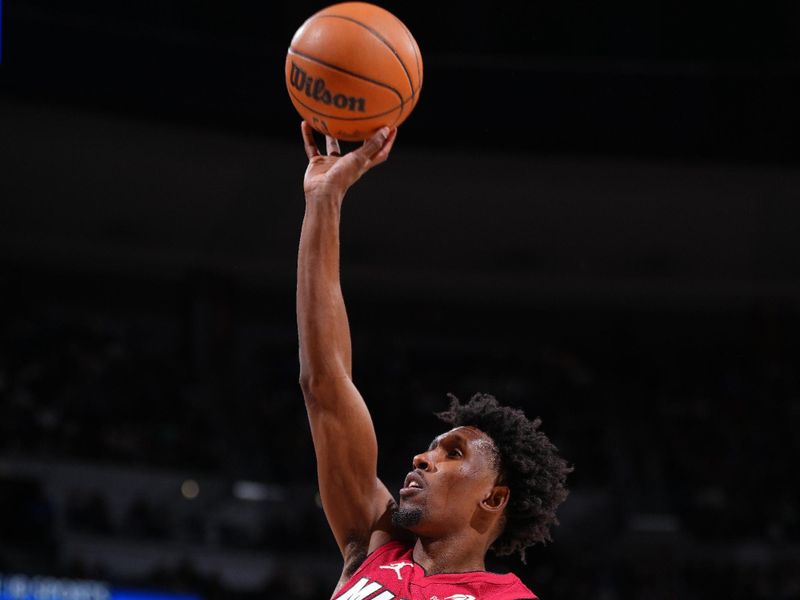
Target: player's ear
(497, 499)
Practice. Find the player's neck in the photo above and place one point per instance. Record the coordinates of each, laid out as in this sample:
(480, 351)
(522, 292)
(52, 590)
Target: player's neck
(456, 554)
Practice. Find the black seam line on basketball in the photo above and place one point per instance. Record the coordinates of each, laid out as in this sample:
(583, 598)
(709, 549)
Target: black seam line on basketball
(337, 117)
(385, 43)
(348, 72)
(416, 56)
(381, 38)
(414, 92)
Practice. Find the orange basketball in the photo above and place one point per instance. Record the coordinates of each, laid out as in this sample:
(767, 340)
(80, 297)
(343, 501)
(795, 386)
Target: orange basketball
(353, 68)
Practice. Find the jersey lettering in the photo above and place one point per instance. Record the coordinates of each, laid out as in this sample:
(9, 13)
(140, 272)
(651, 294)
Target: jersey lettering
(361, 590)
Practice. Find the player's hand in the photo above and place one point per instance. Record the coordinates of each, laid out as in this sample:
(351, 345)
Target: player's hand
(332, 174)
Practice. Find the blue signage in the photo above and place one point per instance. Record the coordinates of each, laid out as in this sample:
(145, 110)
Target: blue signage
(37, 587)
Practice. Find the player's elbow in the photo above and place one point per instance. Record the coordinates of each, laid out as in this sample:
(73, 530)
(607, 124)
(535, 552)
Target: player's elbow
(321, 392)
(306, 384)
(310, 382)
(315, 390)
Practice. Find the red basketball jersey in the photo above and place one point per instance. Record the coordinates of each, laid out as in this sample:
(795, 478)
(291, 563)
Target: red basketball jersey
(390, 573)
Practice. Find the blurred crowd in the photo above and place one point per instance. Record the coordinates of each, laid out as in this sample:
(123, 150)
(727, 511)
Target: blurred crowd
(683, 420)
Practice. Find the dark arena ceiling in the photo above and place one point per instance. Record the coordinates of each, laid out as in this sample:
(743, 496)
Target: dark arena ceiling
(573, 146)
(657, 78)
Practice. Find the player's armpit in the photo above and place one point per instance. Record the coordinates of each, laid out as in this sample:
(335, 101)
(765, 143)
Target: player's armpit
(357, 551)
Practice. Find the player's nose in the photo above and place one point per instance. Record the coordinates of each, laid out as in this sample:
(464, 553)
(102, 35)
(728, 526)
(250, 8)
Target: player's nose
(422, 461)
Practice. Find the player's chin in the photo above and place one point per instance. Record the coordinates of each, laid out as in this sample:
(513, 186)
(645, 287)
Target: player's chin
(406, 516)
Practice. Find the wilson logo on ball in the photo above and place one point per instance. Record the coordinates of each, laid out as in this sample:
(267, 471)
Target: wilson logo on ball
(315, 89)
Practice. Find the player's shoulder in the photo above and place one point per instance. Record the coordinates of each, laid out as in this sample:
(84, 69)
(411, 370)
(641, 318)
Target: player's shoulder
(519, 591)
(505, 586)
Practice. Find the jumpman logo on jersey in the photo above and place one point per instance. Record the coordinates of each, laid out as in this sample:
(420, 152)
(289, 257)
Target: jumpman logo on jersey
(396, 567)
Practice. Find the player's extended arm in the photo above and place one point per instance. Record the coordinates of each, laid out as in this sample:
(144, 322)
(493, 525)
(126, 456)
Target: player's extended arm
(355, 501)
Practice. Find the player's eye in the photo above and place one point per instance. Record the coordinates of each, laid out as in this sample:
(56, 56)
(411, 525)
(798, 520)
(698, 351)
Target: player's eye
(455, 453)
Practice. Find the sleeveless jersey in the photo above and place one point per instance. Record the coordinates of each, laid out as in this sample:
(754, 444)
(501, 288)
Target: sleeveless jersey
(390, 573)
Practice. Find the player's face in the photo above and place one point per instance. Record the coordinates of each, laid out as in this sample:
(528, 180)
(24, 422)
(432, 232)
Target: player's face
(444, 491)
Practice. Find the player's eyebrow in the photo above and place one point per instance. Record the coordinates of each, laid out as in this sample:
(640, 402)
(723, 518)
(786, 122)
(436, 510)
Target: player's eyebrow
(460, 439)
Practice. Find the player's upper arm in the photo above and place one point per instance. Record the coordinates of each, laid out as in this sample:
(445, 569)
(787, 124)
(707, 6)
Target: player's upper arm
(356, 502)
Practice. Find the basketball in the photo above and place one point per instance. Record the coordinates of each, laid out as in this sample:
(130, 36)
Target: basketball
(353, 68)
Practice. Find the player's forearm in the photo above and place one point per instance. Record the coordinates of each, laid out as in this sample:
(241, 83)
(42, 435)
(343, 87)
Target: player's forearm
(323, 329)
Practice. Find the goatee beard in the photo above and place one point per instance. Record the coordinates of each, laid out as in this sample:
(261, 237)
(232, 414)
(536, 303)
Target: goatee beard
(406, 517)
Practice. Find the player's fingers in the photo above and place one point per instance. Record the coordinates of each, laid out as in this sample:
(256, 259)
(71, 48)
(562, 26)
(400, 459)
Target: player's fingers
(332, 146)
(371, 147)
(308, 140)
(383, 153)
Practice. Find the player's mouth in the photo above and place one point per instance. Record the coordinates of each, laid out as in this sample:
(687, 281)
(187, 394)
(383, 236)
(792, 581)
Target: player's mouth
(414, 484)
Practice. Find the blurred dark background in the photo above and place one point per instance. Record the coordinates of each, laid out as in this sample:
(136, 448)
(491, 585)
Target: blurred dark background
(592, 213)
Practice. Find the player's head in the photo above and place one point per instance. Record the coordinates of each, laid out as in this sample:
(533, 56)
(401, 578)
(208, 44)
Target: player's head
(494, 471)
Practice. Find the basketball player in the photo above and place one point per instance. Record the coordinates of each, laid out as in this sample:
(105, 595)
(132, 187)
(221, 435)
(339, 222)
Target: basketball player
(493, 481)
